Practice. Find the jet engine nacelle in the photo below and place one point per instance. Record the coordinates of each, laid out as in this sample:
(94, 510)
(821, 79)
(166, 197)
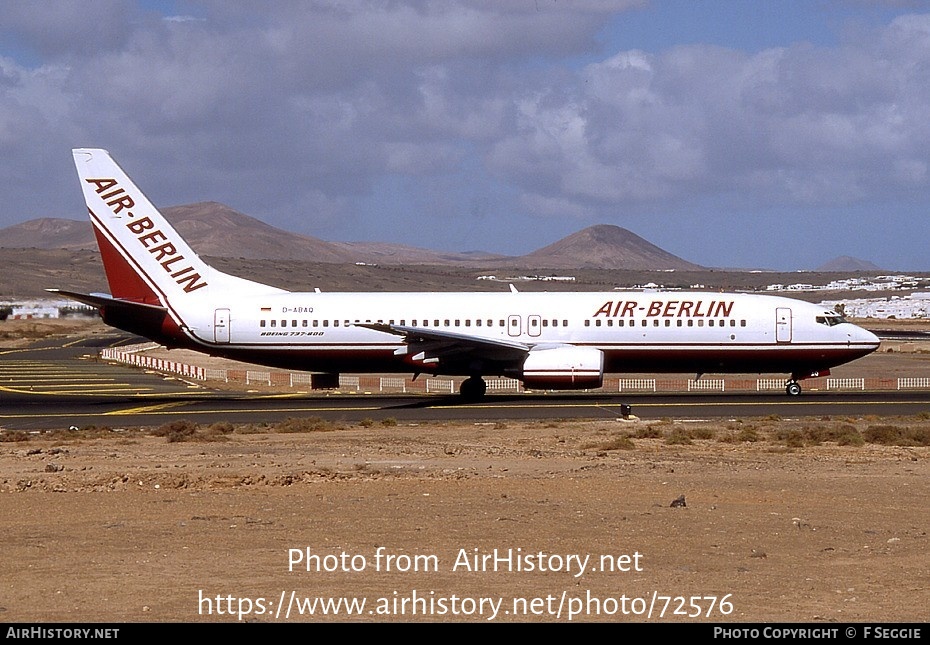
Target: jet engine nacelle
(564, 368)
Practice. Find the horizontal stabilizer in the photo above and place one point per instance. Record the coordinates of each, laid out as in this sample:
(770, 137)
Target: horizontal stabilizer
(101, 300)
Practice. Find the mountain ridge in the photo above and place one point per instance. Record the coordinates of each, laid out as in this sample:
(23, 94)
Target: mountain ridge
(214, 229)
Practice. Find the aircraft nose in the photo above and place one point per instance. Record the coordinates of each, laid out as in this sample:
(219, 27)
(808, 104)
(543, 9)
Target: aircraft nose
(865, 337)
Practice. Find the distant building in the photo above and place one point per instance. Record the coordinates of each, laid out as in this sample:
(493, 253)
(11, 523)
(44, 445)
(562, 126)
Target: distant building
(916, 305)
(27, 312)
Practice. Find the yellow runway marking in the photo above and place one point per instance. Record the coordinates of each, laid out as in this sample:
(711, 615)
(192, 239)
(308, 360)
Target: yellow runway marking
(145, 409)
(69, 391)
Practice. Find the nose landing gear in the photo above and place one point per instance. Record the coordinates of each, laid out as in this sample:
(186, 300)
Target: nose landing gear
(793, 388)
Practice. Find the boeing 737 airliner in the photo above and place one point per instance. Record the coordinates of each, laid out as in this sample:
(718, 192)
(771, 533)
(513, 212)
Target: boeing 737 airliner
(161, 289)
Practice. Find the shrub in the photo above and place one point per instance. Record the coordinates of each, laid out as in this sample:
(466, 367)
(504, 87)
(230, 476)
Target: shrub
(648, 432)
(678, 437)
(304, 424)
(886, 435)
(703, 432)
(616, 443)
(851, 439)
(180, 430)
(794, 439)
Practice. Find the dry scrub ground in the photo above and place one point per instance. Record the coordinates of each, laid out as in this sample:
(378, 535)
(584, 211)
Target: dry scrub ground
(816, 520)
(810, 520)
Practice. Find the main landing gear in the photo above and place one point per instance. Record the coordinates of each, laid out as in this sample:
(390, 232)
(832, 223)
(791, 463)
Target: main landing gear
(473, 388)
(793, 388)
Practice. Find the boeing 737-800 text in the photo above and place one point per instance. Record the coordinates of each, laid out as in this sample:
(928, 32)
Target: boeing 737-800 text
(161, 289)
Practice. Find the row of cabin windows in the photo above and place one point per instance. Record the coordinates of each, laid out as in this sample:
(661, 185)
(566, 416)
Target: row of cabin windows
(668, 323)
(514, 322)
(533, 322)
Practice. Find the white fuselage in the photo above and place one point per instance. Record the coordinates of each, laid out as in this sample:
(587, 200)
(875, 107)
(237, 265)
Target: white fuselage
(658, 332)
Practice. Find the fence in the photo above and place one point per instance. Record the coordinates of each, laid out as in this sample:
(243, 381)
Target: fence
(718, 385)
(134, 355)
(845, 383)
(642, 384)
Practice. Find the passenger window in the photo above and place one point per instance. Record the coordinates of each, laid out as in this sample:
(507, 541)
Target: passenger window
(587, 323)
(326, 323)
(274, 323)
(261, 324)
(597, 323)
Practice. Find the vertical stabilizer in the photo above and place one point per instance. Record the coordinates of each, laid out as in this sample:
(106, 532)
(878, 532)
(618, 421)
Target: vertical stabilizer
(144, 257)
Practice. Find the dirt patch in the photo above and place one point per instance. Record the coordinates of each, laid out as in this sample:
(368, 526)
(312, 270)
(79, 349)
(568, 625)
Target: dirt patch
(760, 520)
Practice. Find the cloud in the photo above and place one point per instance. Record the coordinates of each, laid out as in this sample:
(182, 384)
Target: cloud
(799, 124)
(513, 104)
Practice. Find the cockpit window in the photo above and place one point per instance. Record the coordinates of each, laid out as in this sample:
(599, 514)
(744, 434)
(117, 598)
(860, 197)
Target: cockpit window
(830, 318)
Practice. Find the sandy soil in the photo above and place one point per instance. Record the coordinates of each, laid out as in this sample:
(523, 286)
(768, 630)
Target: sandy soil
(136, 528)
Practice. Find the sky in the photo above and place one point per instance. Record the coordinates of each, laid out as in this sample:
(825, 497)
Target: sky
(775, 134)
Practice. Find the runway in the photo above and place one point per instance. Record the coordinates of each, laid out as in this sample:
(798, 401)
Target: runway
(55, 385)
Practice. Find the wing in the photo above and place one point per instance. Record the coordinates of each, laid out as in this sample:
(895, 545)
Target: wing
(431, 346)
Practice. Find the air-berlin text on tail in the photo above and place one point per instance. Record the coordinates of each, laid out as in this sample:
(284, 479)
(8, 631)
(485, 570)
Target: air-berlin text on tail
(151, 238)
(666, 309)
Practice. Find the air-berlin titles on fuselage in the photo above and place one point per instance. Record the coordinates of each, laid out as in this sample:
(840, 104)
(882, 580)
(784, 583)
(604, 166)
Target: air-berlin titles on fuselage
(667, 309)
(165, 254)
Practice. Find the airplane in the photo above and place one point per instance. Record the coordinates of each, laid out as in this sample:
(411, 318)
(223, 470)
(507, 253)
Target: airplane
(162, 290)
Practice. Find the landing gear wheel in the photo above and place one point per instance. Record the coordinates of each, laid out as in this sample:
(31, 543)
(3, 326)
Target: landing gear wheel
(473, 388)
(793, 388)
